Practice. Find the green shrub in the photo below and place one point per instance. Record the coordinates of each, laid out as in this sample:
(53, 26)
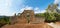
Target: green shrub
(49, 17)
(4, 20)
(57, 16)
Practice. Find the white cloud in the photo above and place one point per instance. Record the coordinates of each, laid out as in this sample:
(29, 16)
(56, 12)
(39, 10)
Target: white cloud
(57, 1)
(26, 8)
(42, 11)
(4, 7)
(36, 9)
(58, 7)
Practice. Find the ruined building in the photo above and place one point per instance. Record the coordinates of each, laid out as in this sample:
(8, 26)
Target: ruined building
(27, 16)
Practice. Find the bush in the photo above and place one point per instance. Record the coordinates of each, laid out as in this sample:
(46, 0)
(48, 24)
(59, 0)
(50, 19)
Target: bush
(40, 14)
(4, 20)
(49, 17)
(57, 16)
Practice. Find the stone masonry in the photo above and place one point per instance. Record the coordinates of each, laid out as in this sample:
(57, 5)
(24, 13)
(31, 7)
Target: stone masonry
(27, 16)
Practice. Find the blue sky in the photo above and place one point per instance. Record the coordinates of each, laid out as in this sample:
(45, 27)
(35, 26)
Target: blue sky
(9, 7)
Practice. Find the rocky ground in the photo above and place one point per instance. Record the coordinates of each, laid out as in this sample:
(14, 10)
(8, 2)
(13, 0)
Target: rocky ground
(54, 25)
(44, 25)
(27, 26)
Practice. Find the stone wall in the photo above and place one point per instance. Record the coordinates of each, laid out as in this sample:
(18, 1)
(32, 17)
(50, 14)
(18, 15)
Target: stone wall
(26, 17)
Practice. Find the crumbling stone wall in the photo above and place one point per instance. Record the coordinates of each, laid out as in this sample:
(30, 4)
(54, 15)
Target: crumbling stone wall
(26, 17)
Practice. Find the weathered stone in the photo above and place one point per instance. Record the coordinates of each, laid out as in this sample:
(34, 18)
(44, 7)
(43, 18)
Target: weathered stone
(27, 16)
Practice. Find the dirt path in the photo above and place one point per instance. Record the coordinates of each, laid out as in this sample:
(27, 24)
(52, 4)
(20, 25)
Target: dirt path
(54, 25)
(27, 26)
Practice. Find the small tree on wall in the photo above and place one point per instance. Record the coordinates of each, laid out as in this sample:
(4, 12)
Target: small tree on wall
(28, 18)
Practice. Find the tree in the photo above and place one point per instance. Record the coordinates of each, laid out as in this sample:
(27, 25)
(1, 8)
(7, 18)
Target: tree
(57, 16)
(49, 16)
(4, 20)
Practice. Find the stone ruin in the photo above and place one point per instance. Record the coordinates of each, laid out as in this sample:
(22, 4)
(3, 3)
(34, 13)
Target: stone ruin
(27, 19)
(27, 16)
